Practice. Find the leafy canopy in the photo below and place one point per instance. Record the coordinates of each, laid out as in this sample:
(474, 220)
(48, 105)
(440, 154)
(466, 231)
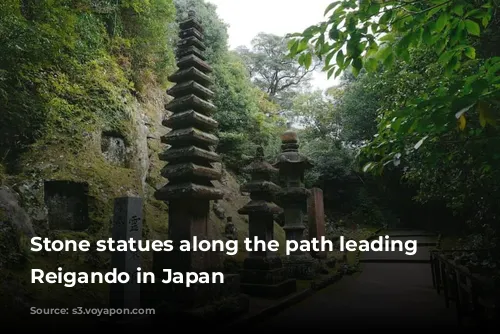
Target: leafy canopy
(372, 34)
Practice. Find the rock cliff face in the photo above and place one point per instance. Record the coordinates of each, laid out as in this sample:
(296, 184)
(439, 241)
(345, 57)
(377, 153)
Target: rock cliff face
(64, 187)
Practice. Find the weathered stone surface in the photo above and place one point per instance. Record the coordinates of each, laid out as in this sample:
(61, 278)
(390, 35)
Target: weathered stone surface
(301, 266)
(191, 74)
(191, 102)
(189, 136)
(67, 204)
(13, 214)
(190, 153)
(293, 199)
(261, 186)
(191, 32)
(190, 87)
(189, 171)
(190, 174)
(289, 136)
(191, 118)
(294, 195)
(191, 50)
(193, 60)
(316, 217)
(127, 224)
(186, 26)
(260, 206)
(114, 149)
(189, 190)
(263, 274)
(192, 41)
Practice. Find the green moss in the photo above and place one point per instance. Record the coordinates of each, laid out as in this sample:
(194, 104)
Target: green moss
(303, 285)
(156, 218)
(2, 174)
(3, 215)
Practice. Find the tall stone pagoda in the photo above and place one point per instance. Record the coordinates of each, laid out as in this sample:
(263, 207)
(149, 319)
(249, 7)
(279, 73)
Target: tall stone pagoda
(293, 198)
(263, 273)
(190, 173)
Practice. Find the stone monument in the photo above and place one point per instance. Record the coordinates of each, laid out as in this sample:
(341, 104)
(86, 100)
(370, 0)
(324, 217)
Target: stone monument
(316, 218)
(127, 224)
(263, 273)
(190, 173)
(293, 198)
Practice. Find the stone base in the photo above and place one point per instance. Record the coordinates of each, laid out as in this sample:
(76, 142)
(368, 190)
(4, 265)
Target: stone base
(214, 314)
(266, 277)
(197, 295)
(273, 291)
(302, 266)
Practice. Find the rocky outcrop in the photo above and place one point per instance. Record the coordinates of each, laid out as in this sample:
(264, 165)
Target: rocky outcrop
(15, 227)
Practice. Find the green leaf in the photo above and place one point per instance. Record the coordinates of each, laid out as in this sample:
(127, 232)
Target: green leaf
(420, 142)
(482, 118)
(462, 122)
(475, 13)
(334, 33)
(301, 59)
(371, 64)
(293, 45)
(472, 28)
(459, 10)
(389, 60)
(433, 11)
(340, 59)
(441, 22)
(357, 64)
(426, 35)
(330, 72)
(485, 21)
(470, 52)
(368, 167)
(484, 115)
(384, 52)
(387, 37)
(308, 60)
(339, 72)
(452, 65)
(373, 9)
(386, 17)
(446, 56)
(302, 46)
(328, 58)
(404, 43)
(331, 6)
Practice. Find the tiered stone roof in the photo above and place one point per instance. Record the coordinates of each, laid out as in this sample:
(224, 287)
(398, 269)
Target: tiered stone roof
(192, 143)
(262, 190)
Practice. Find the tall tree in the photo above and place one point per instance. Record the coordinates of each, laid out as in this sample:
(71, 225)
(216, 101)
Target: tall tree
(272, 70)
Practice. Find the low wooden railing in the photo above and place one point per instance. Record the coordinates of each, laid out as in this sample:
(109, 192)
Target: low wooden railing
(474, 296)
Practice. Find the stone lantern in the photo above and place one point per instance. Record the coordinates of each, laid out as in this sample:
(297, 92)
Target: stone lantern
(263, 273)
(293, 198)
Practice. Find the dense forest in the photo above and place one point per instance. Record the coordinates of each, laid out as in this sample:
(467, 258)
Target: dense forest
(408, 138)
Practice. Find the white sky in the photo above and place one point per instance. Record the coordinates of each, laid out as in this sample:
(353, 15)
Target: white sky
(247, 18)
